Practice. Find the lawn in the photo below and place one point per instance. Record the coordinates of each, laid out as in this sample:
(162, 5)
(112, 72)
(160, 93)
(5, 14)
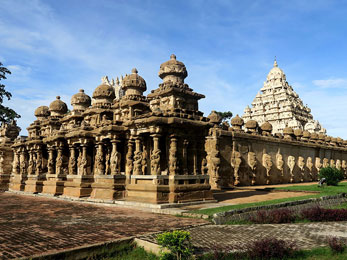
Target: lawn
(324, 191)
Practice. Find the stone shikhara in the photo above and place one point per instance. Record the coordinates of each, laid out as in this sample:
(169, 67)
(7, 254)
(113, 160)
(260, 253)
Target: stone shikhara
(158, 148)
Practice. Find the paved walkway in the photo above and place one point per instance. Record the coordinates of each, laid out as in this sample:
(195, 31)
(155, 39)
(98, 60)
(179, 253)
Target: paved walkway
(228, 237)
(34, 225)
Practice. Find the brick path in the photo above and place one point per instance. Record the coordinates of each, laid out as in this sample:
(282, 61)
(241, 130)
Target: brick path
(226, 237)
(34, 225)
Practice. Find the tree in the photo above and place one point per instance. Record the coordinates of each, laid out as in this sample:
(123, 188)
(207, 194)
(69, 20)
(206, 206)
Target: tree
(6, 114)
(225, 115)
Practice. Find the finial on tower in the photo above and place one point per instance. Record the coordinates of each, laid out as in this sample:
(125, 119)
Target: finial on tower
(275, 62)
(134, 71)
(173, 57)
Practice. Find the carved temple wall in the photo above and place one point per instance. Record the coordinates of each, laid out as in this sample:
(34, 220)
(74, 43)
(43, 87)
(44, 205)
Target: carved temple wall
(252, 159)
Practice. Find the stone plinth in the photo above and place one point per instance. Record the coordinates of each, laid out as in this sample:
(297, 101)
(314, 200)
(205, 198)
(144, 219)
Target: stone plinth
(17, 182)
(78, 186)
(34, 184)
(169, 189)
(108, 187)
(4, 181)
(54, 185)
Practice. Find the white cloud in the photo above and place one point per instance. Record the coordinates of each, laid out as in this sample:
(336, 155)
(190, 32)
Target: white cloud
(331, 83)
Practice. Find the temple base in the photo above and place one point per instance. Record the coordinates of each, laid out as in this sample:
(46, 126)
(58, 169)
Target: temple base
(34, 184)
(17, 182)
(108, 187)
(169, 189)
(54, 185)
(4, 182)
(78, 186)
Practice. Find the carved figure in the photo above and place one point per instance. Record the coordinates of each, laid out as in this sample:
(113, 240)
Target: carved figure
(332, 163)
(204, 167)
(137, 163)
(107, 163)
(59, 163)
(31, 164)
(318, 164)
(252, 162)
(267, 163)
(72, 162)
(115, 162)
(279, 163)
(16, 167)
(338, 164)
(99, 161)
(301, 165)
(155, 162)
(144, 160)
(1, 162)
(291, 165)
(38, 163)
(129, 159)
(235, 163)
(50, 163)
(325, 162)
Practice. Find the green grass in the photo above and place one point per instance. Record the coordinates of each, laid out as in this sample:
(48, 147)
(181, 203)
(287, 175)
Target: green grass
(323, 253)
(137, 253)
(212, 211)
(324, 191)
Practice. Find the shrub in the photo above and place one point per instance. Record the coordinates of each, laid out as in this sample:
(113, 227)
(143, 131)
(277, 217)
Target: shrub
(332, 175)
(268, 248)
(276, 216)
(321, 214)
(178, 242)
(337, 246)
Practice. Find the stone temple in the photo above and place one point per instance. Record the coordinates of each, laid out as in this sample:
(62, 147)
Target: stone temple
(278, 104)
(123, 146)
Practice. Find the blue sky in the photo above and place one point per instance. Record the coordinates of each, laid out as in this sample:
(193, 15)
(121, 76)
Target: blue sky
(57, 47)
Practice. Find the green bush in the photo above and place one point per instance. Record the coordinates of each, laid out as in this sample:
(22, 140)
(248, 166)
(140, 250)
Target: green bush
(332, 175)
(178, 242)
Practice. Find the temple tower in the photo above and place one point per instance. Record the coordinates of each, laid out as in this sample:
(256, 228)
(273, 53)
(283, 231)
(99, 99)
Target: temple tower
(278, 104)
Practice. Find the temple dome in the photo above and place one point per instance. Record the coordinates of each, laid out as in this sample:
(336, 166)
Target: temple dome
(276, 73)
(57, 107)
(173, 70)
(267, 127)
(237, 121)
(214, 117)
(42, 112)
(251, 124)
(104, 91)
(288, 131)
(134, 83)
(80, 101)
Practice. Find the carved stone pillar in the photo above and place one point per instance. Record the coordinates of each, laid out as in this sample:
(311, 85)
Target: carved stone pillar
(59, 162)
(155, 156)
(72, 160)
(99, 168)
(129, 158)
(173, 155)
(195, 159)
(137, 157)
(185, 156)
(15, 167)
(115, 158)
(31, 164)
(39, 162)
(23, 162)
(50, 161)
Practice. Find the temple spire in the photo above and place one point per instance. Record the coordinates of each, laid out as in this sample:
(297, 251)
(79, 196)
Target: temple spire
(275, 62)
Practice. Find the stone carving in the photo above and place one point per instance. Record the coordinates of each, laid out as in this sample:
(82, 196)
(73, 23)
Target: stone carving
(138, 163)
(129, 158)
(301, 165)
(267, 163)
(278, 104)
(31, 164)
(83, 164)
(1, 162)
(252, 162)
(332, 163)
(115, 160)
(99, 160)
(72, 161)
(204, 167)
(236, 161)
(279, 162)
(291, 165)
(144, 160)
(38, 163)
(59, 162)
(338, 164)
(50, 162)
(23, 163)
(172, 156)
(155, 162)
(16, 166)
(309, 164)
(318, 164)
(325, 162)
